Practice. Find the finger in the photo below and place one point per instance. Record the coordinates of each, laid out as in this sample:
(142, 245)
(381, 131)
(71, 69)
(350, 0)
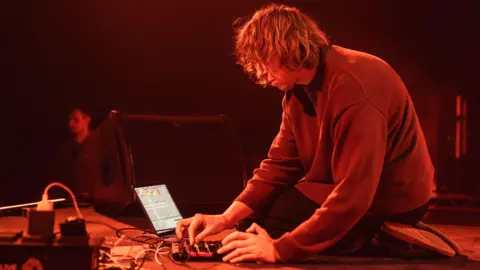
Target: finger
(237, 253)
(235, 236)
(244, 258)
(234, 245)
(181, 225)
(201, 236)
(252, 227)
(194, 226)
(255, 228)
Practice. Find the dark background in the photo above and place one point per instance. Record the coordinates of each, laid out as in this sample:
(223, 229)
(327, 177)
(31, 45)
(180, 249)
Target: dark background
(175, 57)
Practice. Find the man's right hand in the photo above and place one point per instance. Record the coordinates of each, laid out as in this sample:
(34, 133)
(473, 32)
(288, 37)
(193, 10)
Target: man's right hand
(200, 226)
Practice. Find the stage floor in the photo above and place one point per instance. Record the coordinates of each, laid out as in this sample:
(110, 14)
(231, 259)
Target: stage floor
(468, 237)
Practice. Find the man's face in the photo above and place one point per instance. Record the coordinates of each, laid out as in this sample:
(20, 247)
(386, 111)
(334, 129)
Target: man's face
(278, 76)
(79, 122)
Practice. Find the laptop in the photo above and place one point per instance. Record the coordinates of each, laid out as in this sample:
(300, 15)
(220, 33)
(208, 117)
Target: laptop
(159, 207)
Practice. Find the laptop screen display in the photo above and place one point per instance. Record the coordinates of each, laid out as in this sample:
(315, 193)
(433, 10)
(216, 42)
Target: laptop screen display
(159, 206)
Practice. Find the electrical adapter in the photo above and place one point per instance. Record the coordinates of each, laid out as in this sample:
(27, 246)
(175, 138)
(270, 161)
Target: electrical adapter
(45, 204)
(41, 220)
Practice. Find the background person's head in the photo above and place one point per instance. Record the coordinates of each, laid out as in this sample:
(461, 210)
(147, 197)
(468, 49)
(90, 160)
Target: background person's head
(79, 123)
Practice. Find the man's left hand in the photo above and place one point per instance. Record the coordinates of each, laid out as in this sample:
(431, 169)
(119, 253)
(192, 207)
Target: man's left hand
(254, 245)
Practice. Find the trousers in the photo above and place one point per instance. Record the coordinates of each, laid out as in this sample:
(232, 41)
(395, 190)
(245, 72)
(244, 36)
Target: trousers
(290, 208)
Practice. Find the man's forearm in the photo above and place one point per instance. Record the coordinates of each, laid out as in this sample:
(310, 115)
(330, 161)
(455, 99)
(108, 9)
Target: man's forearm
(237, 212)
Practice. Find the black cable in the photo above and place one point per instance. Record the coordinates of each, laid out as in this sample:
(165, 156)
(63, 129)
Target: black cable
(146, 241)
(158, 240)
(133, 229)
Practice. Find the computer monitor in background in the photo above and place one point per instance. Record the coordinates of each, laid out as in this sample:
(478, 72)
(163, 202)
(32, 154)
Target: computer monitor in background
(199, 158)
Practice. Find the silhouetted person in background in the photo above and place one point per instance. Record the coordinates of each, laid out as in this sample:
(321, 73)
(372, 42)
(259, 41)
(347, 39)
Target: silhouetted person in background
(76, 162)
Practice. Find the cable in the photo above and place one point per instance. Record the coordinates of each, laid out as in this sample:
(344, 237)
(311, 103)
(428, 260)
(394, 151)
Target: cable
(442, 236)
(143, 251)
(45, 196)
(166, 252)
(8, 207)
(155, 247)
(156, 254)
(161, 248)
(115, 262)
(133, 229)
(146, 241)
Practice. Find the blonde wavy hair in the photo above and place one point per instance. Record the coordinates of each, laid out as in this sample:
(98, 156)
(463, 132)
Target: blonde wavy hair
(278, 31)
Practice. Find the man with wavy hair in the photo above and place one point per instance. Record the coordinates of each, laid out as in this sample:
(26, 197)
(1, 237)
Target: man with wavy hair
(350, 153)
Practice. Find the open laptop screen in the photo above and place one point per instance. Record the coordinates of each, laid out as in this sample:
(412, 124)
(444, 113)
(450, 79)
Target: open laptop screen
(159, 207)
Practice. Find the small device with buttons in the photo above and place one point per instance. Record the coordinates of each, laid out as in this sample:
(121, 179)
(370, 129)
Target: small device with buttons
(203, 250)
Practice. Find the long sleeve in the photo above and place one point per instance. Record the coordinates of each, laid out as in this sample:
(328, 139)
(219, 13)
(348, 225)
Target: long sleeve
(281, 169)
(359, 139)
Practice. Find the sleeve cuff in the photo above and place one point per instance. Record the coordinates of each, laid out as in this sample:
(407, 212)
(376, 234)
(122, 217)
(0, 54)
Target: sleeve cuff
(255, 194)
(288, 249)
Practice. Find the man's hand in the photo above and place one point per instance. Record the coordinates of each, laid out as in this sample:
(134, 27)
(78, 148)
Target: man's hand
(201, 226)
(254, 245)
